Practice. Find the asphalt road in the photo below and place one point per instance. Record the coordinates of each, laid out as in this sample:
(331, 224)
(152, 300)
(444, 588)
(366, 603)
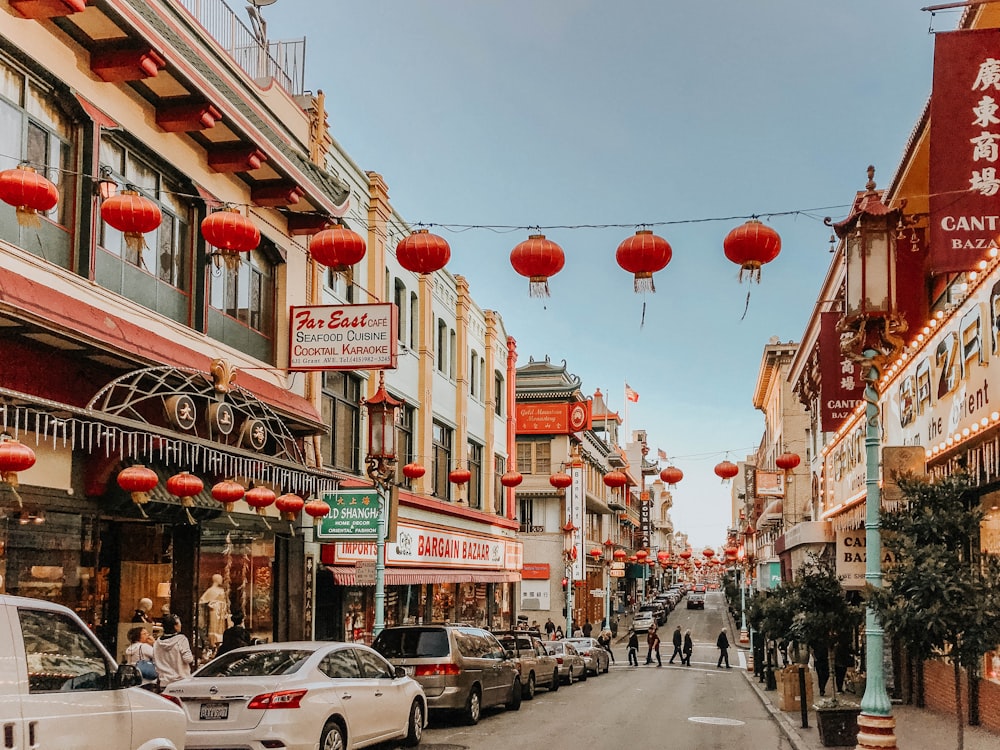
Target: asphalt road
(631, 708)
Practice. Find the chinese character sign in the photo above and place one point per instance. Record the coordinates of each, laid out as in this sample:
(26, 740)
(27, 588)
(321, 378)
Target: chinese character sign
(842, 386)
(964, 149)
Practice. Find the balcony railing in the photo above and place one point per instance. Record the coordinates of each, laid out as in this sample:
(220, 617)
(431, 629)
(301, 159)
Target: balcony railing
(282, 61)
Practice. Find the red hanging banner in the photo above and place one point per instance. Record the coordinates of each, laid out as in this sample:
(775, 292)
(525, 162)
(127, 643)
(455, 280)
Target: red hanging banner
(842, 384)
(964, 149)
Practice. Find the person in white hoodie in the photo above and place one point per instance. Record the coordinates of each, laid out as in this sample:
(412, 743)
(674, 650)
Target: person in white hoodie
(172, 652)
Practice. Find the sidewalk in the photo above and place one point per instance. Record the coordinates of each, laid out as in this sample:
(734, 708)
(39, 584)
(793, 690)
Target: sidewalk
(916, 728)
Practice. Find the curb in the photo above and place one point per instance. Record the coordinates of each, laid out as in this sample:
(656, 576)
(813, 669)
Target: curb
(783, 722)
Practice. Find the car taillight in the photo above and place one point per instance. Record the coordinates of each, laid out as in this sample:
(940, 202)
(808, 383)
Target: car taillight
(559, 660)
(172, 699)
(436, 670)
(281, 699)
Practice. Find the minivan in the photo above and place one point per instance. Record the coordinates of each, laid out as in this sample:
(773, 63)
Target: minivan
(68, 692)
(461, 668)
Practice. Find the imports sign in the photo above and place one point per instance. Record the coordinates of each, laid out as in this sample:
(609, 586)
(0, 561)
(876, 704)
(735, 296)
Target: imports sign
(353, 515)
(342, 337)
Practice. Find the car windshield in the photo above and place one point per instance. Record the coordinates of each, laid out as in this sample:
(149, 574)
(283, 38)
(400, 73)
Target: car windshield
(412, 643)
(255, 663)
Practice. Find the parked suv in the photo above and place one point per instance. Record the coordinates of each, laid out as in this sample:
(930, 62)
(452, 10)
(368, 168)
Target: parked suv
(535, 665)
(461, 668)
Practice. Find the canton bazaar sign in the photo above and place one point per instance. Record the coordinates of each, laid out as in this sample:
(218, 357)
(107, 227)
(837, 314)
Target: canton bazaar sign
(343, 337)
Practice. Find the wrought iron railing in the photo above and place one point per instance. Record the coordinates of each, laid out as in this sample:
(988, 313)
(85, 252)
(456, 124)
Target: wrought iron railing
(261, 58)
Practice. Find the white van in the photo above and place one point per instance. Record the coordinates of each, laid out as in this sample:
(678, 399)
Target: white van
(61, 689)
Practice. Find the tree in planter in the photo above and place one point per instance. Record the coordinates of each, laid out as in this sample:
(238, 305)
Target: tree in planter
(942, 595)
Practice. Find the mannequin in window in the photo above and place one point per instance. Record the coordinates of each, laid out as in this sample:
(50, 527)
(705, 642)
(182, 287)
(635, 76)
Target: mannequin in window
(216, 600)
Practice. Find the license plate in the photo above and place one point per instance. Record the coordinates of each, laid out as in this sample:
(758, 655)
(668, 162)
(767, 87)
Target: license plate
(214, 711)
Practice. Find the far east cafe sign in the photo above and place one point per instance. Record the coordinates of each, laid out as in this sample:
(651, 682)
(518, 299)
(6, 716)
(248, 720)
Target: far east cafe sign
(343, 337)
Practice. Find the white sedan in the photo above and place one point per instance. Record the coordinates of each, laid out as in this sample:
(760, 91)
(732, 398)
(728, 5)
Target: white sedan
(299, 695)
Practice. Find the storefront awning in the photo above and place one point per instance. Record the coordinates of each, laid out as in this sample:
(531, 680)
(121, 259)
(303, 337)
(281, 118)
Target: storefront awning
(344, 576)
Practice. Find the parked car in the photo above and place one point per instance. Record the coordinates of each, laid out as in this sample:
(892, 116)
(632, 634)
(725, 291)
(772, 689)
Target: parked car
(696, 600)
(307, 693)
(643, 620)
(61, 688)
(595, 656)
(461, 668)
(571, 665)
(534, 663)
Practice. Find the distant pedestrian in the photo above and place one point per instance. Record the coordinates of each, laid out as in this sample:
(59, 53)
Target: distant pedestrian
(651, 639)
(687, 649)
(235, 636)
(604, 639)
(557, 634)
(656, 648)
(843, 659)
(821, 663)
(550, 627)
(678, 641)
(587, 629)
(723, 643)
(633, 649)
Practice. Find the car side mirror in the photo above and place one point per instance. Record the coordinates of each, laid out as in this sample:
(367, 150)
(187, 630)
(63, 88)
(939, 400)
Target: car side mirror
(127, 676)
(399, 672)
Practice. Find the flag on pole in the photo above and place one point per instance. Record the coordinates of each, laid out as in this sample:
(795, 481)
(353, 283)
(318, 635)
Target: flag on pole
(661, 454)
(630, 394)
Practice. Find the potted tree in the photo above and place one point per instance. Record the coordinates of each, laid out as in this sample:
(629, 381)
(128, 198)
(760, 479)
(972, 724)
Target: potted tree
(837, 721)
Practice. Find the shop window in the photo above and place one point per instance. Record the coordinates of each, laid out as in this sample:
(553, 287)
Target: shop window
(241, 302)
(475, 485)
(37, 130)
(441, 465)
(157, 274)
(342, 412)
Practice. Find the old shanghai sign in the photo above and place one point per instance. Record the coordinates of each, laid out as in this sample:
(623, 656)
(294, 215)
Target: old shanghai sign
(342, 337)
(353, 515)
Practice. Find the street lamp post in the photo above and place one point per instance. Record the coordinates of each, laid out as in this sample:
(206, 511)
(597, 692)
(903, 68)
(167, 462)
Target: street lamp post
(871, 333)
(569, 556)
(609, 552)
(381, 468)
(741, 570)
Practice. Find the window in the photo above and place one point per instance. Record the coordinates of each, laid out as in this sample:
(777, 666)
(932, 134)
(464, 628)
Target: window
(35, 129)
(534, 457)
(499, 491)
(59, 655)
(414, 320)
(399, 297)
(341, 283)
(341, 665)
(342, 411)
(441, 465)
(442, 346)
(526, 514)
(474, 374)
(404, 441)
(241, 302)
(452, 355)
(476, 478)
(498, 393)
(374, 666)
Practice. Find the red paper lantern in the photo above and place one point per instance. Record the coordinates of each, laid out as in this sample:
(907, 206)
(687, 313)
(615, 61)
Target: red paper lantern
(685, 555)
(671, 475)
(231, 233)
(317, 509)
(413, 471)
(750, 246)
(560, 480)
(641, 555)
(138, 480)
(511, 479)
(132, 214)
(289, 506)
(620, 554)
(595, 552)
(228, 492)
(727, 470)
(662, 555)
(185, 486)
(731, 552)
(423, 252)
(459, 476)
(14, 457)
(338, 248)
(643, 254)
(538, 259)
(707, 552)
(29, 192)
(787, 461)
(615, 479)
(260, 498)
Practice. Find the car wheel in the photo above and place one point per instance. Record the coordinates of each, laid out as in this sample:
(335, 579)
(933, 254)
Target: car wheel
(473, 707)
(332, 737)
(607, 666)
(569, 677)
(583, 674)
(529, 689)
(554, 683)
(415, 727)
(515, 696)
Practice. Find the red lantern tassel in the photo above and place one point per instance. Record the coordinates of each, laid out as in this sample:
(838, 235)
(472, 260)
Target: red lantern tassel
(644, 282)
(27, 217)
(136, 242)
(538, 286)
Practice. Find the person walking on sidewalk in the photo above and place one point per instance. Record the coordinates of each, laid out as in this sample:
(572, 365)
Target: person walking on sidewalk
(678, 640)
(633, 649)
(687, 649)
(650, 637)
(723, 643)
(604, 641)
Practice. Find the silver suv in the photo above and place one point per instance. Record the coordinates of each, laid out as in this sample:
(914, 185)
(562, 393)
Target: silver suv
(461, 668)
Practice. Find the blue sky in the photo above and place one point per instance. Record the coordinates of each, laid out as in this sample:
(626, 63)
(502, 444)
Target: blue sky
(688, 117)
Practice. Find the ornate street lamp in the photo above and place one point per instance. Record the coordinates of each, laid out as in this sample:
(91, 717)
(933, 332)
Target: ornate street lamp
(569, 556)
(871, 333)
(609, 557)
(381, 467)
(741, 569)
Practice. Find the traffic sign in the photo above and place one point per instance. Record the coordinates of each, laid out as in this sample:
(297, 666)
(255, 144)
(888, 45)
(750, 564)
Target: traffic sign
(618, 565)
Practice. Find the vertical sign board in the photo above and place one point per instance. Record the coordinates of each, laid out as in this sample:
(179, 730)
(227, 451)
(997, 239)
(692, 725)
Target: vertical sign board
(645, 507)
(576, 500)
